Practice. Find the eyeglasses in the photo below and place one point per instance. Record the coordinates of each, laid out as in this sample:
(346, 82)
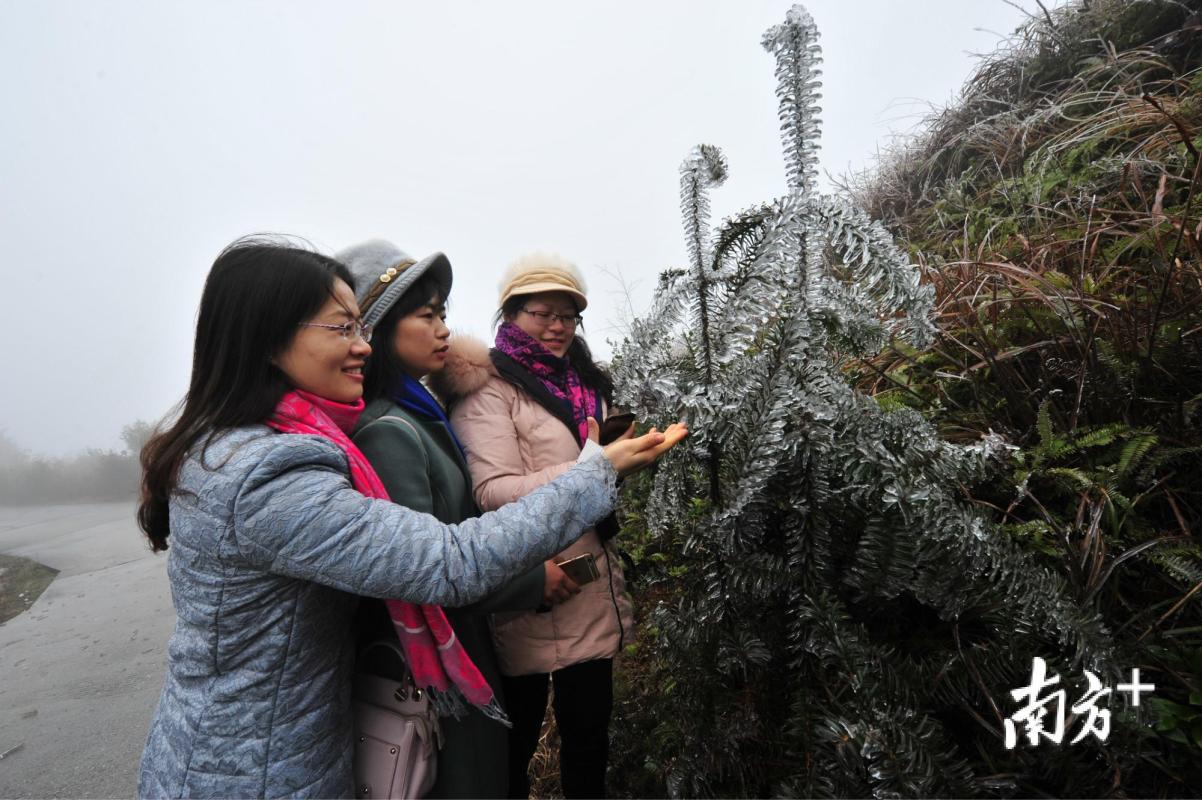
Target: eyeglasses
(348, 330)
(546, 318)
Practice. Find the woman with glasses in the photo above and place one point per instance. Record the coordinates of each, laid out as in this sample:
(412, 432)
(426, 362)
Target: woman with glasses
(277, 523)
(521, 412)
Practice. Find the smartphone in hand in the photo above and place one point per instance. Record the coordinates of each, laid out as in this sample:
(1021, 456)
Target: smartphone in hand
(581, 569)
(614, 426)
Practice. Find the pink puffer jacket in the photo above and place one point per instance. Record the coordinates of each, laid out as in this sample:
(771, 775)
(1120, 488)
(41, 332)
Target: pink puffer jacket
(514, 446)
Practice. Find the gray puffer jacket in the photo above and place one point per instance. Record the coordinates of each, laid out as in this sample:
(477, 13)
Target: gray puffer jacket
(270, 544)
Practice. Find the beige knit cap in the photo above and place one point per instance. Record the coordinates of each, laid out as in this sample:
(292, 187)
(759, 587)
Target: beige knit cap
(543, 272)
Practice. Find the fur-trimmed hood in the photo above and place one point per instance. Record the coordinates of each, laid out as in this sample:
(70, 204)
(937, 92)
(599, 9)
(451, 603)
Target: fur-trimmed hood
(467, 369)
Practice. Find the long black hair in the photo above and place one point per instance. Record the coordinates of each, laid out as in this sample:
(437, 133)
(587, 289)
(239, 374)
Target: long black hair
(578, 355)
(383, 370)
(257, 293)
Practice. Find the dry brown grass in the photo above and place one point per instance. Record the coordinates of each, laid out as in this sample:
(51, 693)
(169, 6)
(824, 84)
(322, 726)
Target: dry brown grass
(544, 766)
(1057, 217)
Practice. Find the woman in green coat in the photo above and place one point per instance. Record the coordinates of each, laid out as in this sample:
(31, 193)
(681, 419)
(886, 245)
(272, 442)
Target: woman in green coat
(406, 436)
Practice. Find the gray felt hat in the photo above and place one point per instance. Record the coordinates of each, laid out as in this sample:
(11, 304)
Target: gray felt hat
(383, 272)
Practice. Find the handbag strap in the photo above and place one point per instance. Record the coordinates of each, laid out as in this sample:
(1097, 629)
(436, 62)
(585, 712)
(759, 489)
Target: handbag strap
(396, 674)
(385, 658)
(395, 689)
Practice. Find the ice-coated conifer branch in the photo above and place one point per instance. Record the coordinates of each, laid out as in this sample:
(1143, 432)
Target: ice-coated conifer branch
(795, 45)
(800, 516)
(880, 280)
(704, 167)
(737, 237)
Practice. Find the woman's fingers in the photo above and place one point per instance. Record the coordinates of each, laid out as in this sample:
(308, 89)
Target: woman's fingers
(673, 436)
(631, 455)
(624, 454)
(567, 587)
(667, 439)
(645, 445)
(557, 586)
(594, 430)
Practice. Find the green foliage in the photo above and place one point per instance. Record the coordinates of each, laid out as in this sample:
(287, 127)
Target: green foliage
(1066, 267)
(1180, 720)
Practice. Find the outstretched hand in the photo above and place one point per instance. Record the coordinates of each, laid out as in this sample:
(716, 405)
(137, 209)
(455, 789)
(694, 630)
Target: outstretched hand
(629, 453)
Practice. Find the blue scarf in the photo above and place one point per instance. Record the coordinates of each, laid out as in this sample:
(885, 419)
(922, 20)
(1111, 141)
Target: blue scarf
(411, 395)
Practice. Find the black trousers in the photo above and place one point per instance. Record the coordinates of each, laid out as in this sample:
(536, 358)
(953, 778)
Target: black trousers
(584, 699)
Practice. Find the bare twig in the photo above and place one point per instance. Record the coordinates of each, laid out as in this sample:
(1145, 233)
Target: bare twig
(1186, 138)
(1171, 611)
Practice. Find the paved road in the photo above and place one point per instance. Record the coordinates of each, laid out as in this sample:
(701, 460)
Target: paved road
(80, 671)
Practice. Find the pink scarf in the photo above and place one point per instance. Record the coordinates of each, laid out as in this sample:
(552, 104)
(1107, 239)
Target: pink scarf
(435, 657)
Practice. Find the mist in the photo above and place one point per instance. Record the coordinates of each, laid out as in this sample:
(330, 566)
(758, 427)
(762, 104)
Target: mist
(141, 138)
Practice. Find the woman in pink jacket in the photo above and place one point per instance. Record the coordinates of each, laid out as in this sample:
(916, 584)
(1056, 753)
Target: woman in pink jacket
(520, 411)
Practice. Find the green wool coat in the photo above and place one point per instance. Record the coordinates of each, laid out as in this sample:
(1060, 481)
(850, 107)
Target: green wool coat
(421, 468)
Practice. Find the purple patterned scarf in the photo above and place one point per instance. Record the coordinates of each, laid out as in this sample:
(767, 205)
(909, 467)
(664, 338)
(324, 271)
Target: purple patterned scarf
(555, 373)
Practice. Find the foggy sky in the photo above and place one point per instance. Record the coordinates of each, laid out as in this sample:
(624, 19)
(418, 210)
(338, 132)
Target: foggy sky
(140, 138)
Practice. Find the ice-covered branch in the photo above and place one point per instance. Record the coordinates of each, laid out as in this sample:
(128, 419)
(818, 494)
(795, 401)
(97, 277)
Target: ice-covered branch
(795, 45)
(705, 167)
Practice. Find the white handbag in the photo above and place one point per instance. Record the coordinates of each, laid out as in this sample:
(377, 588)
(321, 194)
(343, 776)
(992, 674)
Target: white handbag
(396, 731)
